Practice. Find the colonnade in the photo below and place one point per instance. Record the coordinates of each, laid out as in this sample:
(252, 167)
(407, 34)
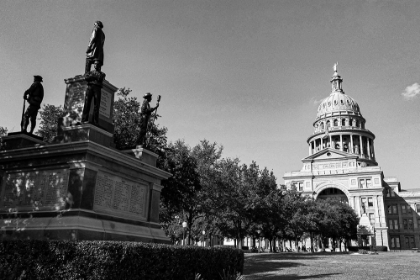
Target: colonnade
(350, 143)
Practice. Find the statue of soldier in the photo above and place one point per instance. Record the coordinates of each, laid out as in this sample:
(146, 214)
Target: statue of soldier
(145, 113)
(95, 79)
(95, 50)
(34, 95)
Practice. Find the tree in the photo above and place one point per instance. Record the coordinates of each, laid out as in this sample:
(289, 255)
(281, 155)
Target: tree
(3, 131)
(49, 121)
(179, 197)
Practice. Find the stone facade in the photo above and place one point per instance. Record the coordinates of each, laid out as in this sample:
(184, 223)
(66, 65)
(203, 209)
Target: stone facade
(342, 164)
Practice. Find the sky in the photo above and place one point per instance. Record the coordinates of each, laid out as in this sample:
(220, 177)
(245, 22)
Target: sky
(248, 75)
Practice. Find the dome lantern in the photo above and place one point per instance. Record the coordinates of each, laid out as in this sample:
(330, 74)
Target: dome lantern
(336, 82)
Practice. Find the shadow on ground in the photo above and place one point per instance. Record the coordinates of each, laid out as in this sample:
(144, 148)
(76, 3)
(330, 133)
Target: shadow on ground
(293, 276)
(267, 265)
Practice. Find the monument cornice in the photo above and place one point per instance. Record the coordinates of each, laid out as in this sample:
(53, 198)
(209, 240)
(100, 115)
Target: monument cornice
(79, 147)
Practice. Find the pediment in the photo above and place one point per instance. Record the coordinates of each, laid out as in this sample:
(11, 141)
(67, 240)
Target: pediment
(329, 154)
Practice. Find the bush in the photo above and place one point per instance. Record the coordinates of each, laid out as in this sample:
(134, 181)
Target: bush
(114, 260)
(381, 248)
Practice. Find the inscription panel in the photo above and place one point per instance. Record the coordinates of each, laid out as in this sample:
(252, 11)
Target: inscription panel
(115, 195)
(105, 106)
(35, 190)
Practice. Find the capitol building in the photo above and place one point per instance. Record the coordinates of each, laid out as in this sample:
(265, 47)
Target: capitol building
(341, 163)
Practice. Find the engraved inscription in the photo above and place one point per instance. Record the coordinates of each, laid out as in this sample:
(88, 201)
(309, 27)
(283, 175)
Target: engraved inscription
(35, 189)
(116, 195)
(105, 106)
(103, 191)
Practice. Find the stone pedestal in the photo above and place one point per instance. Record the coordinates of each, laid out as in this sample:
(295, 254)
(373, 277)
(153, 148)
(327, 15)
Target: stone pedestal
(79, 187)
(20, 140)
(74, 101)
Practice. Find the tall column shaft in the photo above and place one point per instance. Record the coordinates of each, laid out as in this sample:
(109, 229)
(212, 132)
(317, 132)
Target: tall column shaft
(341, 142)
(351, 141)
(361, 144)
(368, 148)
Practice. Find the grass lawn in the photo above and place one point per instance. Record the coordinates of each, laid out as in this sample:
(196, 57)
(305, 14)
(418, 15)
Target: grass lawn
(386, 265)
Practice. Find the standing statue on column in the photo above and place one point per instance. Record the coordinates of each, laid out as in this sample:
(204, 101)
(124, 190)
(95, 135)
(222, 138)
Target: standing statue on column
(145, 113)
(95, 79)
(95, 50)
(34, 95)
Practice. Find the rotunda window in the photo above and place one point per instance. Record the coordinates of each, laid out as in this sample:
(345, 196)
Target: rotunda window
(348, 102)
(322, 125)
(335, 122)
(328, 123)
(335, 102)
(329, 103)
(342, 102)
(343, 122)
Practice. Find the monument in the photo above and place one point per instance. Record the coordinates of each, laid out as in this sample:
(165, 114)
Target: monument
(79, 187)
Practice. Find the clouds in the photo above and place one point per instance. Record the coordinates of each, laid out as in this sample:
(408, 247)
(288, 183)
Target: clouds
(411, 92)
(315, 101)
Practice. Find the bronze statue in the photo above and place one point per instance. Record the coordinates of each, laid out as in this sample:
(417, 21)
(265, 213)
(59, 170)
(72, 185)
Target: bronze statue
(95, 79)
(95, 50)
(145, 113)
(34, 95)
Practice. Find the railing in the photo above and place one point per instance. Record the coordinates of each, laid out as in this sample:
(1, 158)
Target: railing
(338, 128)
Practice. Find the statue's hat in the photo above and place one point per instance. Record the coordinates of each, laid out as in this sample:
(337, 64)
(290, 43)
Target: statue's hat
(147, 95)
(99, 23)
(38, 78)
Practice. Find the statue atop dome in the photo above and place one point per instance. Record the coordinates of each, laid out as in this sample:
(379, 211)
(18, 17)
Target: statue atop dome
(336, 80)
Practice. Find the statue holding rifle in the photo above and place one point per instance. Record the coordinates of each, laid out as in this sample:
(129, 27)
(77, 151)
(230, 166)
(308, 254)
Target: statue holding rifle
(34, 95)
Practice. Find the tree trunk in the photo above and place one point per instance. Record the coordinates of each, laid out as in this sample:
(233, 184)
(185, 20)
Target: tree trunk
(312, 241)
(321, 240)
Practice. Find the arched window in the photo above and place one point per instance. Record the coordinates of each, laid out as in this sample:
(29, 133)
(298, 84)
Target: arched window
(342, 102)
(335, 122)
(351, 122)
(343, 122)
(322, 126)
(356, 124)
(328, 123)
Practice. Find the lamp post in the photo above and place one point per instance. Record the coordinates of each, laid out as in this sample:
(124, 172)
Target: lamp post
(184, 226)
(204, 238)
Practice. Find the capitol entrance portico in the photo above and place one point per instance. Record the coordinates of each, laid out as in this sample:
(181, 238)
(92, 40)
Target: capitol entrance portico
(331, 191)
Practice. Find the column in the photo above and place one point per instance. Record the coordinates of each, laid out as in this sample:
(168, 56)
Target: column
(351, 201)
(310, 148)
(361, 145)
(368, 148)
(373, 150)
(321, 144)
(357, 206)
(341, 142)
(376, 208)
(330, 142)
(351, 141)
(381, 204)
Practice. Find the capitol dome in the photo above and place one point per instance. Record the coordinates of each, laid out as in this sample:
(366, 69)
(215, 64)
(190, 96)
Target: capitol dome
(339, 125)
(338, 100)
